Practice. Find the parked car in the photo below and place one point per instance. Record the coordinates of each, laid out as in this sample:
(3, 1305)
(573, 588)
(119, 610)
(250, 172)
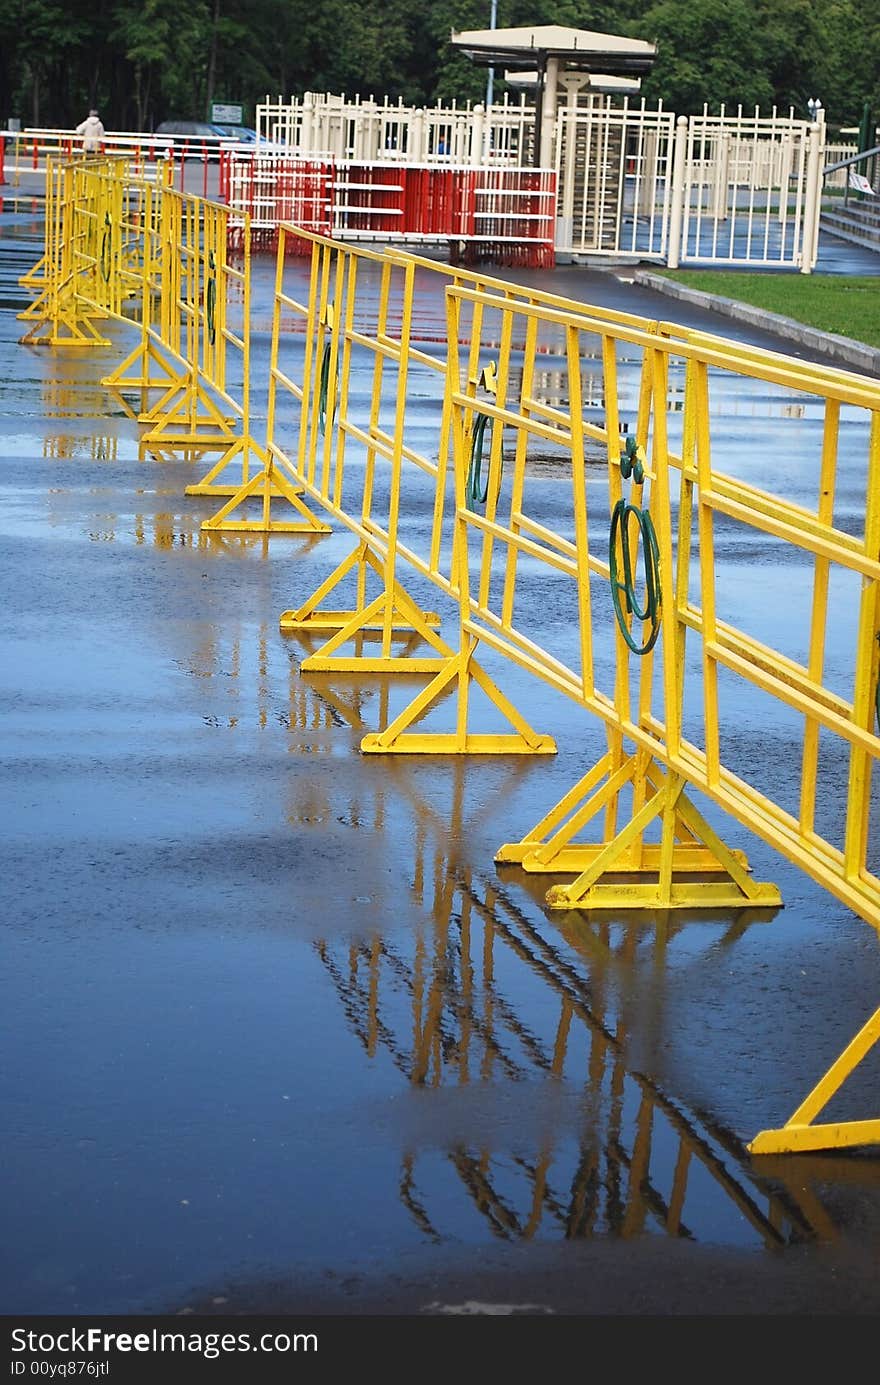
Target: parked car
(192, 129)
(243, 133)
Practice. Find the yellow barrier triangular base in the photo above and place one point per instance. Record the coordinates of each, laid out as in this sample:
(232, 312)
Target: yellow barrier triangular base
(688, 847)
(457, 675)
(171, 379)
(37, 275)
(313, 616)
(800, 1134)
(211, 484)
(391, 614)
(267, 486)
(39, 309)
(62, 329)
(183, 426)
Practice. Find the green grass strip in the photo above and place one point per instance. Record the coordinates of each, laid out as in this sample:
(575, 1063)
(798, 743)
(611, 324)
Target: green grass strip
(848, 306)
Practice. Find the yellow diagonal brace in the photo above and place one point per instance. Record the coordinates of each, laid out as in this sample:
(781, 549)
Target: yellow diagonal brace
(799, 1133)
(64, 329)
(312, 616)
(574, 895)
(211, 484)
(544, 857)
(121, 378)
(688, 847)
(166, 433)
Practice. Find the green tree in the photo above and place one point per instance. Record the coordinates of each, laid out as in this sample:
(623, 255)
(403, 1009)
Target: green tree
(709, 52)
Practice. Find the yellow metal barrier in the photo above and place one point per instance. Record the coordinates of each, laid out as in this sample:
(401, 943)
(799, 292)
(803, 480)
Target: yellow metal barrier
(191, 368)
(71, 291)
(638, 563)
(360, 309)
(676, 690)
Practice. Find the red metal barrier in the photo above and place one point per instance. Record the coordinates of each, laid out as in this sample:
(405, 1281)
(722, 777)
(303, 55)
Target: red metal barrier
(503, 215)
(272, 189)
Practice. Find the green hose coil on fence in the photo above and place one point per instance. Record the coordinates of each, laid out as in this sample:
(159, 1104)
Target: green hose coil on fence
(323, 385)
(623, 591)
(475, 492)
(105, 249)
(211, 298)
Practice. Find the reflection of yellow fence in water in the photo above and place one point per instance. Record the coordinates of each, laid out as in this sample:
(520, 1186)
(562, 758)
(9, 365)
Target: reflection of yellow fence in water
(478, 996)
(631, 1167)
(625, 595)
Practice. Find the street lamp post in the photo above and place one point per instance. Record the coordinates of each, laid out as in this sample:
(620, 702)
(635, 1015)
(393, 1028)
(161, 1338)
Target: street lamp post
(491, 77)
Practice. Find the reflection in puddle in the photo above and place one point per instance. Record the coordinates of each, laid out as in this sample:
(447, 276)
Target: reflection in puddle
(519, 1026)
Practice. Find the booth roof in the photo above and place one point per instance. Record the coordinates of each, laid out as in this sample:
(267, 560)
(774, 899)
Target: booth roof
(528, 45)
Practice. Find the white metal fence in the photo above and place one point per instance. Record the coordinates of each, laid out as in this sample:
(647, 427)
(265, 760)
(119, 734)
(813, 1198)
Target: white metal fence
(632, 182)
(749, 190)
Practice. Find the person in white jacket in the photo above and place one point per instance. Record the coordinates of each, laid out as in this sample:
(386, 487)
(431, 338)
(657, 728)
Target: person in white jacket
(92, 131)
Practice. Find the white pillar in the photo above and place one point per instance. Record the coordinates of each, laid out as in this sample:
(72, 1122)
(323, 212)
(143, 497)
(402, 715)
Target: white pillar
(676, 194)
(306, 128)
(477, 155)
(548, 112)
(416, 140)
(722, 177)
(646, 169)
(566, 168)
(786, 164)
(372, 131)
(812, 200)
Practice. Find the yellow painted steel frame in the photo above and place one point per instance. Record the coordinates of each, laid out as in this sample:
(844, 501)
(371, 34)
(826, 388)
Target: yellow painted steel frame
(651, 714)
(361, 301)
(188, 416)
(112, 238)
(188, 284)
(347, 312)
(201, 293)
(145, 370)
(72, 293)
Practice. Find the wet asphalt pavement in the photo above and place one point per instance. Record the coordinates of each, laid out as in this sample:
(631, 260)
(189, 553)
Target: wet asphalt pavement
(281, 1038)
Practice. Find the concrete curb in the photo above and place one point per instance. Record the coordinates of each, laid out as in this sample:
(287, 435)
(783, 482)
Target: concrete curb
(854, 353)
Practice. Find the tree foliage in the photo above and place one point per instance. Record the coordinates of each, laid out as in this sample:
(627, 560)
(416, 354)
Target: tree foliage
(142, 61)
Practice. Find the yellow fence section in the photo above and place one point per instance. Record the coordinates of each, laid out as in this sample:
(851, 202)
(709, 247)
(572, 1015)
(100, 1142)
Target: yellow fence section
(370, 462)
(693, 681)
(75, 282)
(629, 594)
(128, 247)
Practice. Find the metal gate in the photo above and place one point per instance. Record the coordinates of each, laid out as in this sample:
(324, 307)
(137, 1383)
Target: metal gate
(615, 172)
(747, 191)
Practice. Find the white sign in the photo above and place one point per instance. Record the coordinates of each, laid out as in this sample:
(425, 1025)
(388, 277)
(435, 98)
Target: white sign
(225, 115)
(860, 182)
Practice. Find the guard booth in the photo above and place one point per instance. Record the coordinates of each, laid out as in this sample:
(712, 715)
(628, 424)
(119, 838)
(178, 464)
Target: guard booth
(573, 73)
